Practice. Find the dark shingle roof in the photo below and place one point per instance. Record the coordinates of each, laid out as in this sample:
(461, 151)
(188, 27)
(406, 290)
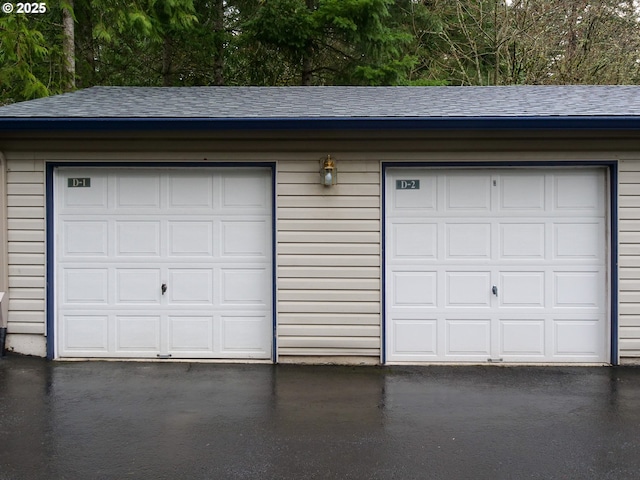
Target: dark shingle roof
(326, 107)
(310, 102)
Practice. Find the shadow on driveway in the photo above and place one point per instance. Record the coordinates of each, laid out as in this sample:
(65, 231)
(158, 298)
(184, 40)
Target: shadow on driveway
(108, 420)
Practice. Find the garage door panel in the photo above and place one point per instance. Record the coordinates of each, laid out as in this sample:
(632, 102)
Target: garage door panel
(85, 333)
(79, 198)
(137, 333)
(578, 337)
(578, 192)
(520, 337)
(243, 238)
(468, 240)
(190, 334)
(244, 286)
(243, 191)
(468, 193)
(205, 234)
(578, 241)
(522, 241)
(245, 334)
(81, 238)
(522, 289)
(522, 192)
(543, 250)
(137, 238)
(138, 285)
(137, 190)
(415, 192)
(578, 289)
(190, 191)
(415, 240)
(412, 337)
(190, 238)
(468, 289)
(191, 286)
(85, 286)
(415, 289)
(468, 337)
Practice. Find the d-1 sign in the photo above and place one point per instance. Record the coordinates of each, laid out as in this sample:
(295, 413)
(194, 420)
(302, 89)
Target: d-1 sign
(78, 182)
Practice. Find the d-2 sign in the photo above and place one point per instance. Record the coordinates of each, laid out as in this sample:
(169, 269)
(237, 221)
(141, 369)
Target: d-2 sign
(78, 182)
(407, 184)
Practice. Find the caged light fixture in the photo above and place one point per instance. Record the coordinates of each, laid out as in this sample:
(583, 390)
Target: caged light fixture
(328, 171)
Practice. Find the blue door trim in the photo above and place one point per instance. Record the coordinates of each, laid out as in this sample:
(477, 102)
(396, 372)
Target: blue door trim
(50, 229)
(612, 167)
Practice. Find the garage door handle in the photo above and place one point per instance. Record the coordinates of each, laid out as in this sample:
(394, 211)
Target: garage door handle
(494, 289)
(164, 288)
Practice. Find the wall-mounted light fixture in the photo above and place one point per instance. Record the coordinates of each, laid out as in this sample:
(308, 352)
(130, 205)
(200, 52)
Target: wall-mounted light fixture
(328, 171)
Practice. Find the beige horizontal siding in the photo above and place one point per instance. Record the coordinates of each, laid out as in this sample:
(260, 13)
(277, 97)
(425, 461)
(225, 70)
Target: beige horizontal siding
(26, 293)
(17, 173)
(26, 328)
(26, 282)
(17, 271)
(342, 284)
(332, 225)
(28, 317)
(335, 260)
(332, 342)
(330, 330)
(329, 308)
(328, 263)
(25, 236)
(26, 224)
(629, 258)
(26, 246)
(342, 202)
(25, 189)
(298, 295)
(330, 272)
(324, 352)
(317, 319)
(339, 248)
(320, 191)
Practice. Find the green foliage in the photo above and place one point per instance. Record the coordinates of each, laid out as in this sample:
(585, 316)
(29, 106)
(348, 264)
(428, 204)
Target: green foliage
(283, 24)
(30, 56)
(333, 41)
(320, 42)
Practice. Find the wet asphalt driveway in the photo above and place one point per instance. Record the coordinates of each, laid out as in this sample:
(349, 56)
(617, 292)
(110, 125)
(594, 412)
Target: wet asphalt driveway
(104, 420)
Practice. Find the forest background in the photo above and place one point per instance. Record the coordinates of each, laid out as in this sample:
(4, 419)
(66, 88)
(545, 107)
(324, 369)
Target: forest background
(81, 43)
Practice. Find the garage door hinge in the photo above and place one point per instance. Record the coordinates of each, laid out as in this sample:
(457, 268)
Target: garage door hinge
(494, 360)
(164, 356)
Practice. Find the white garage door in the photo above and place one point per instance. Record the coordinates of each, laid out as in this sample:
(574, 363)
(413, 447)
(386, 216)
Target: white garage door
(163, 263)
(496, 265)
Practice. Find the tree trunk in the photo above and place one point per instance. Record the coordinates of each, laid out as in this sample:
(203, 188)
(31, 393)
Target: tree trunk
(68, 47)
(218, 61)
(166, 62)
(307, 64)
(496, 43)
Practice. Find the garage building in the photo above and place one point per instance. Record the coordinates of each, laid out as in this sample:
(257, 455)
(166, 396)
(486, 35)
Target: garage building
(367, 225)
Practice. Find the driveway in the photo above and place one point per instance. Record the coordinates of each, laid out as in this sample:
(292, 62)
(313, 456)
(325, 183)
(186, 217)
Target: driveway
(108, 420)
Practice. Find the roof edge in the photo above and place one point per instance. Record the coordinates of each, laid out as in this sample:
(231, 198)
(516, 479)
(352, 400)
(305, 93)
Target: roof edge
(140, 124)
